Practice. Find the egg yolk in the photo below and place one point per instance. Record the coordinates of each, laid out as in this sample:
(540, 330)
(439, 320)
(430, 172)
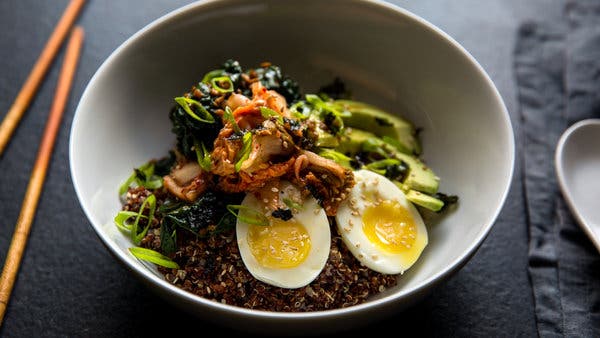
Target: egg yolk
(280, 245)
(390, 227)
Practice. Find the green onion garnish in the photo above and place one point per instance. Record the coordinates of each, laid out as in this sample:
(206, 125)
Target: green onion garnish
(217, 82)
(123, 188)
(151, 181)
(248, 215)
(328, 112)
(203, 155)
(153, 257)
(338, 157)
(313, 99)
(228, 116)
(186, 104)
(122, 218)
(244, 153)
(292, 205)
(144, 177)
(300, 110)
(211, 75)
(267, 113)
(380, 166)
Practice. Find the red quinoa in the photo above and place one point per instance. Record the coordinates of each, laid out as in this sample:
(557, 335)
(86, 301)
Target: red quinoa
(211, 267)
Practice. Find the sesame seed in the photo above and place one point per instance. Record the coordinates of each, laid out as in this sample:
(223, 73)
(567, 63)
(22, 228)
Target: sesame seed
(266, 200)
(274, 189)
(346, 229)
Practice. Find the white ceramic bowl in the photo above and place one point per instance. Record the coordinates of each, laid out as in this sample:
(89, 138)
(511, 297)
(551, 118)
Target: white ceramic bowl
(386, 55)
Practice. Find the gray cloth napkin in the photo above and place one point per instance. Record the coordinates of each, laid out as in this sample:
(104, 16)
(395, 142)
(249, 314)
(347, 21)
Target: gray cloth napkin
(557, 66)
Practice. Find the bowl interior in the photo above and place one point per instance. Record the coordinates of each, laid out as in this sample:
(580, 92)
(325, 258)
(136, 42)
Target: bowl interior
(386, 56)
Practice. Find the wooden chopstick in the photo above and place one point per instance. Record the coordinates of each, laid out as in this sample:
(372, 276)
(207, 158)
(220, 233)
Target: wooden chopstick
(16, 111)
(34, 188)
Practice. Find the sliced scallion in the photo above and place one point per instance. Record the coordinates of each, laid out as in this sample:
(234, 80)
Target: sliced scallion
(203, 155)
(150, 201)
(217, 84)
(267, 113)
(328, 112)
(211, 75)
(336, 156)
(292, 205)
(228, 116)
(123, 217)
(144, 177)
(123, 188)
(300, 110)
(381, 166)
(187, 103)
(248, 215)
(313, 99)
(244, 153)
(153, 257)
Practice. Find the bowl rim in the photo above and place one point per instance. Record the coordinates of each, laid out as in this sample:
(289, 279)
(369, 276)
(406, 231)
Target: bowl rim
(174, 291)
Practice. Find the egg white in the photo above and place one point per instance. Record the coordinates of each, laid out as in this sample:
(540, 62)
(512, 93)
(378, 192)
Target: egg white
(350, 224)
(314, 220)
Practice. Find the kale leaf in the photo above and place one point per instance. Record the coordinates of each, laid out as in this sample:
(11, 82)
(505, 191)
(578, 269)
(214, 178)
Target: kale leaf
(190, 131)
(205, 211)
(163, 165)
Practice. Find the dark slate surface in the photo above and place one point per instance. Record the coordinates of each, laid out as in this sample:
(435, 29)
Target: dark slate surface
(69, 285)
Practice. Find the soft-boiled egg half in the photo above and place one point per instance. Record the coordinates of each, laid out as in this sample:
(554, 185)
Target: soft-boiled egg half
(381, 228)
(288, 254)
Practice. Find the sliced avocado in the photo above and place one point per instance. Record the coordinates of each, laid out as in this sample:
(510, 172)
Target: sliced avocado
(420, 177)
(424, 200)
(381, 123)
(351, 142)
